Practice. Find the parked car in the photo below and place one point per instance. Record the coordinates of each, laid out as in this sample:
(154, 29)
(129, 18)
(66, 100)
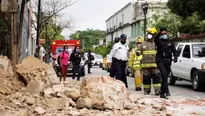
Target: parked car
(104, 63)
(190, 65)
(98, 60)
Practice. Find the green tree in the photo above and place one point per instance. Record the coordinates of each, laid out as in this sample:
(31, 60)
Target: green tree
(89, 37)
(53, 33)
(192, 25)
(166, 19)
(104, 50)
(186, 8)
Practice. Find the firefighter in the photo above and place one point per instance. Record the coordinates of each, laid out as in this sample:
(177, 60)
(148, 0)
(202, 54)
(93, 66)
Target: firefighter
(165, 49)
(148, 64)
(134, 64)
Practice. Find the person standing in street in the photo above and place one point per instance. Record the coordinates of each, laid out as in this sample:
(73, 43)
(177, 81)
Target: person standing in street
(75, 59)
(134, 64)
(64, 57)
(112, 70)
(165, 49)
(90, 58)
(148, 63)
(119, 53)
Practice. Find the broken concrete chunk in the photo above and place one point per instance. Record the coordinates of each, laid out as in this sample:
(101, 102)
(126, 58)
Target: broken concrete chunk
(106, 92)
(30, 100)
(40, 110)
(84, 103)
(57, 103)
(74, 95)
(33, 88)
(72, 103)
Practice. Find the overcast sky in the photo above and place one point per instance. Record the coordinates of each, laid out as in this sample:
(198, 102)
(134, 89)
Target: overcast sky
(92, 13)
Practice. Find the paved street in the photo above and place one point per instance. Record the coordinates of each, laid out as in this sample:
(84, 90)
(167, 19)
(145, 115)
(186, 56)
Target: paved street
(182, 88)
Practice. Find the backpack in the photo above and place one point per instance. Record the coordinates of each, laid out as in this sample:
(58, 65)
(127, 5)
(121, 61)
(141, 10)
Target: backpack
(58, 59)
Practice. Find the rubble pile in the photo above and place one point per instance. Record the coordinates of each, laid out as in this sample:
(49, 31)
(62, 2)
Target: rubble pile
(43, 95)
(32, 69)
(8, 83)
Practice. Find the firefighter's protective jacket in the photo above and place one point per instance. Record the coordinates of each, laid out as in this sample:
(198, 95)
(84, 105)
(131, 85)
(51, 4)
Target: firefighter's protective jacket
(134, 60)
(148, 51)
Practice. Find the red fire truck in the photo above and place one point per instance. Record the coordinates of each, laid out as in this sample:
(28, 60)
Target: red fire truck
(57, 47)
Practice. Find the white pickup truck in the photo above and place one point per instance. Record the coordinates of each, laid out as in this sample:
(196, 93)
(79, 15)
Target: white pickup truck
(190, 65)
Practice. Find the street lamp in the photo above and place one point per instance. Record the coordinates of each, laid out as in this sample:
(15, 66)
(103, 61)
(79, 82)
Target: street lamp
(145, 6)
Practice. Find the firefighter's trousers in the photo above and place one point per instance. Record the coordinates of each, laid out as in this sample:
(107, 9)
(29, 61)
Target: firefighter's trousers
(151, 75)
(138, 78)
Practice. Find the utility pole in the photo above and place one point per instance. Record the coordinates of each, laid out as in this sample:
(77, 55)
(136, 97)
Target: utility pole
(47, 41)
(38, 29)
(14, 29)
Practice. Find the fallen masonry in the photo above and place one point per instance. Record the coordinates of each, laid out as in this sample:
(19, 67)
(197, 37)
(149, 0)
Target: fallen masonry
(37, 92)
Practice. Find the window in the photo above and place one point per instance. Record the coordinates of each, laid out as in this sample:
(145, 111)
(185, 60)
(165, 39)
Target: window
(116, 22)
(186, 52)
(198, 50)
(122, 19)
(179, 50)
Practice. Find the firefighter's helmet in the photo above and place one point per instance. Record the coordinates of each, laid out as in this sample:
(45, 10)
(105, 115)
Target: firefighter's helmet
(139, 39)
(152, 30)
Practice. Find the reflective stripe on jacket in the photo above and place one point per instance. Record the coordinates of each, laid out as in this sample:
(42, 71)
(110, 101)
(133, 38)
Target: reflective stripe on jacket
(149, 65)
(134, 60)
(136, 63)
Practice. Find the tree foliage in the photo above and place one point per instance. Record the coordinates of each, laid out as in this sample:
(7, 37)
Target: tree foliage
(53, 33)
(166, 19)
(104, 50)
(186, 8)
(192, 25)
(51, 10)
(176, 24)
(89, 37)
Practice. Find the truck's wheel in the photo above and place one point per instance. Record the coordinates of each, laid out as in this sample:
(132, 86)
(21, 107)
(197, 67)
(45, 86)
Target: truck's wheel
(197, 86)
(171, 79)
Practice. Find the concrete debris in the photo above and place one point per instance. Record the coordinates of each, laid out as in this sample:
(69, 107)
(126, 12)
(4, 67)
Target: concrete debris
(38, 92)
(84, 103)
(105, 92)
(56, 103)
(71, 102)
(30, 100)
(5, 64)
(74, 95)
(40, 110)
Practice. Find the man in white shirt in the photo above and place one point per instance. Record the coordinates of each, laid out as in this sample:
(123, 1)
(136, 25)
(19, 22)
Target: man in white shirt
(119, 53)
(112, 70)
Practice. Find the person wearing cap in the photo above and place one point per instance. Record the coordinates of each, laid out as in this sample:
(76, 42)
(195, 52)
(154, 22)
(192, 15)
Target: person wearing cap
(119, 53)
(165, 49)
(134, 64)
(112, 70)
(148, 63)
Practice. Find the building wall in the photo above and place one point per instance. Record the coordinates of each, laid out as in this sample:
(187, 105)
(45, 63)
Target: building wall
(119, 19)
(25, 32)
(155, 7)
